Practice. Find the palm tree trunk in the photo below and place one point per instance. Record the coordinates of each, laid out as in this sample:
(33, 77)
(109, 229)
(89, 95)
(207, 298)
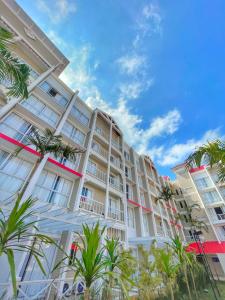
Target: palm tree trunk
(171, 291)
(193, 281)
(187, 283)
(37, 163)
(87, 294)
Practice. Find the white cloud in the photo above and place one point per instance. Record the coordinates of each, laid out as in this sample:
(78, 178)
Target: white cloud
(133, 89)
(131, 64)
(178, 153)
(56, 10)
(149, 21)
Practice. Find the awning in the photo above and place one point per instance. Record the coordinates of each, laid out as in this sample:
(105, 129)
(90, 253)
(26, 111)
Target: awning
(209, 247)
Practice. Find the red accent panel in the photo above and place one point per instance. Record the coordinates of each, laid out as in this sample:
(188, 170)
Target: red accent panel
(193, 170)
(166, 178)
(74, 247)
(210, 247)
(55, 162)
(15, 142)
(147, 209)
(134, 203)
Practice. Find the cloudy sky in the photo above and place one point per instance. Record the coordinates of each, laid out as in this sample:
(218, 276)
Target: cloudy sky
(158, 67)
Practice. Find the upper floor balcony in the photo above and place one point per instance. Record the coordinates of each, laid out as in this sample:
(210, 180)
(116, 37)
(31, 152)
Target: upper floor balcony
(96, 172)
(97, 148)
(116, 162)
(116, 184)
(116, 214)
(159, 230)
(116, 144)
(100, 132)
(92, 205)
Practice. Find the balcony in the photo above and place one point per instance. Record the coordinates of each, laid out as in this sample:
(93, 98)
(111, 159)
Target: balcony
(102, 133)
(116, 214)
(98, 173)
(159, 230)
(92, 205)
(100, 150)
(116, 162)
(116, 184)
(116, 145)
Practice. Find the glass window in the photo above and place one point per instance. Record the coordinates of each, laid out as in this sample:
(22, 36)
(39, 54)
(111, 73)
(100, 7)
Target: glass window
(53, 188)
(202, 183)
(211, 197)
(73, 133)
(145, 222)
(131, 217)
(87, 193)
(92, 167)
(38, 108)
(79, 115)
(46, 87)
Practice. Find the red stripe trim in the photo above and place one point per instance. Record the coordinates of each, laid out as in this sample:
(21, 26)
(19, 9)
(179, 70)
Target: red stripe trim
(15, 142)
(55, 162)
(210, 247)
(146, 209)
(134, 203)
(193, 170)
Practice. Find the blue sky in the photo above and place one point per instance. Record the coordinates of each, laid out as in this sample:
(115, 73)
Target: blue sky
(157, 66)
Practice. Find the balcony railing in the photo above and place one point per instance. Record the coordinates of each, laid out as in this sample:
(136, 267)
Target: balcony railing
(99, 174)
(156, 208)
(92, 205)
(100, 150)
(116, 214)
(102, 133)
(116, 144)
(221, 216)
(116, 162)
(159, 230)
(116, 184)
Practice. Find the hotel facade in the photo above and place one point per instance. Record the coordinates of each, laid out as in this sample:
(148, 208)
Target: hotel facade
(109, 182)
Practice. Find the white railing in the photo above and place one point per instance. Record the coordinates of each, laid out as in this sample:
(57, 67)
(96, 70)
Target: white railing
(159, 230)
(99, 174)
(156, 207)
(115, 184)
(92, 205)
(116, 214)
(116, 144)
(116, 233)
(102, 133)
(100, 150)
(116, 162)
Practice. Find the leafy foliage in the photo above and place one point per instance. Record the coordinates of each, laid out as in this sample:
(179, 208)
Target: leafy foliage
(166, 194)
(16, 230)
(11, 69)
(212, 153)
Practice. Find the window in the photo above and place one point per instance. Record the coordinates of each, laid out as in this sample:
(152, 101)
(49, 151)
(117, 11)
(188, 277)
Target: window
(126, 155)
(126, 171)
(128, 192)
(53, 188)
(98, 130)
(140, 181)
(145, 223)
(142, 196)
(202, 183)
(13, 172)
(131, 217)
(73, 133)
(41, 110)
(185, 203)
(185, 218)
(80, 116)
(16, 127)
(211, 197)
(86, 192)
(92, 167)
(95, 146)
(46, 87)
(181, 205)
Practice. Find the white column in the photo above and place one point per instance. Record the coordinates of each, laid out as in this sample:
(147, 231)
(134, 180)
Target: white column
(108, 173)
(86, 157)
(6, 108)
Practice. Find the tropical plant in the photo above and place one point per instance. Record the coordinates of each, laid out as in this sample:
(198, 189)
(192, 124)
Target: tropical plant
(11, 69)
(211, 153)
(119, 269)
(19, 234)
(90, 266)
(183, 259)
(167, 267)
(166, 194)
(149, 280)
(48, 143)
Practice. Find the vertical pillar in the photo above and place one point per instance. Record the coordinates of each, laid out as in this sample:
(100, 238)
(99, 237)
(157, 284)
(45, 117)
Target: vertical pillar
(108, 173)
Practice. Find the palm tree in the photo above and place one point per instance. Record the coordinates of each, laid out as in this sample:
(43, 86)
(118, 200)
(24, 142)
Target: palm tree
(181, 254)
(166, 194)
(167, 266)
(149, 280)
(11, 69)
(120, 268)
(16, 229)
(212, 153)
(91, 265)
(48, 143)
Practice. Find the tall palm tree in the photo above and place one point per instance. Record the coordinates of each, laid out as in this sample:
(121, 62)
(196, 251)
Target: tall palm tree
(91, 265)
(211, 153)
(120, 268)
(167, 266)
(48, 143)
(16, 229)
(166, 194)
(181, 254)
(11, 69)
